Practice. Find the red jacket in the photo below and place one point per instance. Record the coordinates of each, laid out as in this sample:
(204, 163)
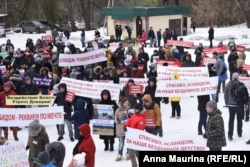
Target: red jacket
(3, 95)
(137, 121)
(137, 74)
(87, 145)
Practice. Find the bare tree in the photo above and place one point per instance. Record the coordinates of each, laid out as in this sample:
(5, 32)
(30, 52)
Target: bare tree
(244, 8)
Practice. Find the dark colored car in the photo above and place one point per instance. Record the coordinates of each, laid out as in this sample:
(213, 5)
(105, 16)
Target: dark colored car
(32, 26)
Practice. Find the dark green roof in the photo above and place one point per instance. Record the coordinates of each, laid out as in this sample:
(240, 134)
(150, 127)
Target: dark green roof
(131, 12)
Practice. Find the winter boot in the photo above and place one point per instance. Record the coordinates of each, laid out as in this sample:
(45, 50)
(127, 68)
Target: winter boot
(118, 158)
(106, 148)
(111, 147)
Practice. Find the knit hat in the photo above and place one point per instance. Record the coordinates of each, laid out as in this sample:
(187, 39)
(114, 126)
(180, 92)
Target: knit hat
(42, 158)
(212, 104)
(34, 125)
(138, 106)
(235, 76)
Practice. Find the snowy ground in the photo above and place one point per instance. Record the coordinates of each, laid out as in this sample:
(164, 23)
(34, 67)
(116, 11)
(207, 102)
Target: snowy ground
(185, 126)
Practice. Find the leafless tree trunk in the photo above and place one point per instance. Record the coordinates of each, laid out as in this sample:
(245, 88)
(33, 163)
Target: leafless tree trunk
(244, 12)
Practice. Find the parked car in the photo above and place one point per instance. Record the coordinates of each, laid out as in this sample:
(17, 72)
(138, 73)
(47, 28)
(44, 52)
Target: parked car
(32, 26)
(2, 32)
(51, 25)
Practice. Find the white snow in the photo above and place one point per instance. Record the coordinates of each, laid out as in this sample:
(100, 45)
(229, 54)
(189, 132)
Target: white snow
(185, 126)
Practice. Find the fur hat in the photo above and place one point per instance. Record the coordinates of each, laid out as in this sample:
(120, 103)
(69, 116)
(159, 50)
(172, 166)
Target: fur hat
(212, 104)
(98, 70)
(235, 76)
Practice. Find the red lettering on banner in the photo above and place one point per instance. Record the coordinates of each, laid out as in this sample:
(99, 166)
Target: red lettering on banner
(220, 50)
(180, 43)
(82, 59)
(67, 60)
(240, 48)
(128, 140)
(54, 115)
(246, 67)
(28, 116)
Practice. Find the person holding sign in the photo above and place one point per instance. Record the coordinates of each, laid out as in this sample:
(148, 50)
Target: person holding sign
(153, 115)
(137, 121)
(7, 90)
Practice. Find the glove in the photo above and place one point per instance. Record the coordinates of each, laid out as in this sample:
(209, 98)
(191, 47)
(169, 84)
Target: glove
(125, 128)
(157, 127)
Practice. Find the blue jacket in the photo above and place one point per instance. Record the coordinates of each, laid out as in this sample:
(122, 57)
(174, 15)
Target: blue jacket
(80, 116)
(49, 165)
(224, 76)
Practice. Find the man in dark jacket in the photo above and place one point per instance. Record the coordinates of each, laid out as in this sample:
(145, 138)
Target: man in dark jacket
(215, 127)
(60, 101)
(211, 35)
(234, 108)
(151, 36)
(28, 88)
(159, 37)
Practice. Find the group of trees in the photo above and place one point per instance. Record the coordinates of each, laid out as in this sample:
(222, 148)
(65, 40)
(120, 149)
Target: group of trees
(204, 12)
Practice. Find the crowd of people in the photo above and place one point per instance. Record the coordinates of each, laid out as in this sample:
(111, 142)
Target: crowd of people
(131, 62)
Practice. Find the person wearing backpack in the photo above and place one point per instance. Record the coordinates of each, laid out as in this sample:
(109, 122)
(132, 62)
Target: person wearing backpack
(235, 95)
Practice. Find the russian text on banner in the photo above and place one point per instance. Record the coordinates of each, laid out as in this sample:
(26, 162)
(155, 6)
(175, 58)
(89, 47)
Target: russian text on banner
(190, 87)
(143, 141)
(170, 63)
(240, 48)
(29, 100)
(82, 59)
(91, 89)
(13, 154)
(183, 72)
(40, 81)
(103, 121)
(46, 115)
(185, 44)
(219, 50)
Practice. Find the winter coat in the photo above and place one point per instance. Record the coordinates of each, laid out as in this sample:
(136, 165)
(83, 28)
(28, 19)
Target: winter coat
(218, 66)
(211, 33)
(60, 101)
(56, 152)
(29, 89)
(108, 102)
(143, 37)
(224, 76)
(137, 74)
(152, 110)
(80, 116)
(121, 115)
(3, 95)
(49, 165)
(232, 61)
(240, 61)
(227, 93)
(188, 63)
(131, 98)
(151, 90)
(36, 145)
(137, 121)
(87, 145)
(202, 102)
(215, 130)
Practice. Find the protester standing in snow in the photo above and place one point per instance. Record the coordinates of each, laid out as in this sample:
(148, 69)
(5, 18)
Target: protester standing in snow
(211, 35)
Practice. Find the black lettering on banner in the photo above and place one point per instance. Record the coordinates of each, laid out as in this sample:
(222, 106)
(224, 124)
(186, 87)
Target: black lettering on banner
(194, 158)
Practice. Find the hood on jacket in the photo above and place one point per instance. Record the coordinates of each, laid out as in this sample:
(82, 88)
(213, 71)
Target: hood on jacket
(148, 98)
(7, 84)
(153, 79)
(44, 68)
(63, 85)
(85, 130)
(80, 104)
(105, 91)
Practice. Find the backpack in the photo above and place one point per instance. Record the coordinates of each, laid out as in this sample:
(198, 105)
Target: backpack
(224, 70)
(240, 94)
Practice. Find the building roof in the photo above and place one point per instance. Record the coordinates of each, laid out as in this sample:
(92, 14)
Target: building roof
(119, 12)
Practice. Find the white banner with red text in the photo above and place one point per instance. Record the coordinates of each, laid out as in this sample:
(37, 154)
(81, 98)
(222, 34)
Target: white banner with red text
(91, 89)
(23, 116)
(183, 72)
(82, 59)
(13, 154)
(190, 87)
(143, 141)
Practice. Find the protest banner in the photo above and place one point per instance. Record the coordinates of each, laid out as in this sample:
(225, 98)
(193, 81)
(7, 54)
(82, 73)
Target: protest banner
(189, 87)
(4, 54)
(135, 89)
(183, 72)
(143, 141)
(246, 81)
(219, 50)
(240, 48)
(103, 121)
(29, 100)
(91, 89)
(40, 81)
(208, 60)
(143, 81)
(113, 46)
(103, 81)
(180, 43)
(246, 67)
(13, 154)
(95, 56)
(47, 38)
(170, 63)
(46, 115)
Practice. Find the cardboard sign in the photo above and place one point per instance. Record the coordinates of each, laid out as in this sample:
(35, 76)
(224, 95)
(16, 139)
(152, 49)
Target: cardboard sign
(240, 48)
(92, 57)
(135, 89)
(219, 50)
(180, 43)
(47, 38)
(246, 67)
(70, 96)
(170, 63)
